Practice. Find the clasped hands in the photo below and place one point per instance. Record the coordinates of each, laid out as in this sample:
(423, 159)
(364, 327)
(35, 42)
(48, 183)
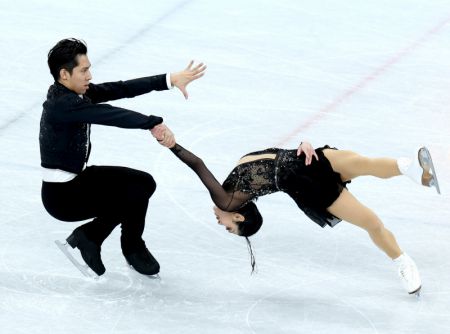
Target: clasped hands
(163, 135)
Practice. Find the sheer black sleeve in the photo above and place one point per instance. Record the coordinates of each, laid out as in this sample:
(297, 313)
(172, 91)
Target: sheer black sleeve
(227, 201)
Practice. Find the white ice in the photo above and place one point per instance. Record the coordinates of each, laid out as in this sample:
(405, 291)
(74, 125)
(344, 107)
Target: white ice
(370, 76)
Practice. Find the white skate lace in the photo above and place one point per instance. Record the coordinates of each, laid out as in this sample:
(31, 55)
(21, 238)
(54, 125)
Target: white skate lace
(405, 271)
(409, 274)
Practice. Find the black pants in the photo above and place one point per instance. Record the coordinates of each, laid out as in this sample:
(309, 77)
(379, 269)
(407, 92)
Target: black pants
(111, 195)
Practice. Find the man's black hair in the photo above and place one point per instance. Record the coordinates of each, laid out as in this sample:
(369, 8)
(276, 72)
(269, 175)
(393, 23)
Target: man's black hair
(64, 55)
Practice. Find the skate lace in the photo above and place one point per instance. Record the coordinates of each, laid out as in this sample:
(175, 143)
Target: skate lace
(405, 270)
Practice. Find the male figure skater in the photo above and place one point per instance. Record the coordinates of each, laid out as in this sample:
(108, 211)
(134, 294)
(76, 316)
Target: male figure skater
(73, 191)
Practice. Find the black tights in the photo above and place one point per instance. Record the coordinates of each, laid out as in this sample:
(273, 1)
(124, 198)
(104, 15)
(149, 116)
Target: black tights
(110, 195)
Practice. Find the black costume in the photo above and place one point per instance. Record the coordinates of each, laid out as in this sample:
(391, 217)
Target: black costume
(111, 195)
(314, 187)
(66, 118)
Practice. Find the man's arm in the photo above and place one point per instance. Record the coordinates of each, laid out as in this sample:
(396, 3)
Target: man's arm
(183, 78)
(110, 91)
(71, 109)
(126, 89)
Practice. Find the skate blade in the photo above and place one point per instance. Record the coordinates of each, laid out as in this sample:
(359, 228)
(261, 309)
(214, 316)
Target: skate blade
(427, 163)
(84, 269)
(151, 277)
(416, 293)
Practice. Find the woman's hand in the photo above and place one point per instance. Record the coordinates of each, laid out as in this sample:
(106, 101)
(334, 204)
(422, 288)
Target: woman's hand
(309, 151)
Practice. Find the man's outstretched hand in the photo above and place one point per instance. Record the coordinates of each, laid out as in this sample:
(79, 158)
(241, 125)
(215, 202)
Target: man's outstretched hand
(183, 78)
(163, 135)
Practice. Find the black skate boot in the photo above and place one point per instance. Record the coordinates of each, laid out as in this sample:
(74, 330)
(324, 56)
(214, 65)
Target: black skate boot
(142, 261)
(90, 251)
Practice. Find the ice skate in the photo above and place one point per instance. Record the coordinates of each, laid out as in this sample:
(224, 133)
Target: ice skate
(420, 169)
(151, 277)
(409, 274)
(90, 252)
(427, 164)
(84, 269)
(143, 262)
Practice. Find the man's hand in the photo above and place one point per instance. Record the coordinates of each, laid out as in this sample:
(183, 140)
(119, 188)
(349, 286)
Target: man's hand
(183, 78)
(163, 135)
(309, 151)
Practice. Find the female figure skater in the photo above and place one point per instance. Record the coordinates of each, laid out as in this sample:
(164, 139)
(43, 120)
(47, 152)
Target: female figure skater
(316, 180)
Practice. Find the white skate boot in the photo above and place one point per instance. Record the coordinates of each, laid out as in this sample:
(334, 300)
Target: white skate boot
(420, 169)
(409, 274)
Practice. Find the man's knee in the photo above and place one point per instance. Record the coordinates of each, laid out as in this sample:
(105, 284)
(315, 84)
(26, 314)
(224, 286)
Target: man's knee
(148, 184)
(140, 185)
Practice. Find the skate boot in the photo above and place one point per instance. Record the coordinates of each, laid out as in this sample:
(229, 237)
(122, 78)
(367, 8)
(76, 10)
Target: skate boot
(420, 169)
(409, 274)
(142, 261)
(90, 251)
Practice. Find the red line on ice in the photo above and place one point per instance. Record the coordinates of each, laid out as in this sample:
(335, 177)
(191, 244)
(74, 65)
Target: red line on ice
(362, 83)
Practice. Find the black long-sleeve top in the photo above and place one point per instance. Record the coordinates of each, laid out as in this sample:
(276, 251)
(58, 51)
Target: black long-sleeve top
(264, 176)
(66, 118)
(245, 182)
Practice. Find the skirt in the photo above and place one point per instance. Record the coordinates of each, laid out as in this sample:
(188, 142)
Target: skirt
(314, 187)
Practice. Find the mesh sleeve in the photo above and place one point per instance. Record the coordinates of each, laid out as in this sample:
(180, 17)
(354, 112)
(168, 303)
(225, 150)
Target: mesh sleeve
(224, 200)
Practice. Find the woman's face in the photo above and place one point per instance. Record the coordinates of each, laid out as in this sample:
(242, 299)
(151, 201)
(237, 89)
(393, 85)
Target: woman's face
(228, 219)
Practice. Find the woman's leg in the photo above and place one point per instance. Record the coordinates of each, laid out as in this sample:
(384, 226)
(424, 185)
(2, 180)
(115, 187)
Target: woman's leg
(348, 208)
(351, 165)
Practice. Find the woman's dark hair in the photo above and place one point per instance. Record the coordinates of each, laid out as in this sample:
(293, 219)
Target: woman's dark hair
(64, 56)
(252, 220)
(251, 224)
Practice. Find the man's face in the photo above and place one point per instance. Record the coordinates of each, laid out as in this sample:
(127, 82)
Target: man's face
(78, 81)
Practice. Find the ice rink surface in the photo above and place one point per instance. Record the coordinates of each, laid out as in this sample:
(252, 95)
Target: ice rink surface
(370, 76)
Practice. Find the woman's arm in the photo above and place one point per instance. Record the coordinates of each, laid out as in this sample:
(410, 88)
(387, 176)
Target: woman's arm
(224, 200)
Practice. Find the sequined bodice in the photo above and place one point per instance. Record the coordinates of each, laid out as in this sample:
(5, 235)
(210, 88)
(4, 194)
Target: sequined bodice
(274, 170)
(246, 182)
(257, 178)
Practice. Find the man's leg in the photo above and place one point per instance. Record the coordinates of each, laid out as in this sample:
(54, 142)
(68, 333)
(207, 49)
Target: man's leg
(111, 194)
(71, 201)
(100, 228)
(126, 193)
(114, 195)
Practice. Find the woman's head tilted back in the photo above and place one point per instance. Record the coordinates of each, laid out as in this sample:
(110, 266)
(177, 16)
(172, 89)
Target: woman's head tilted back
(252, 220)
(245, 222)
